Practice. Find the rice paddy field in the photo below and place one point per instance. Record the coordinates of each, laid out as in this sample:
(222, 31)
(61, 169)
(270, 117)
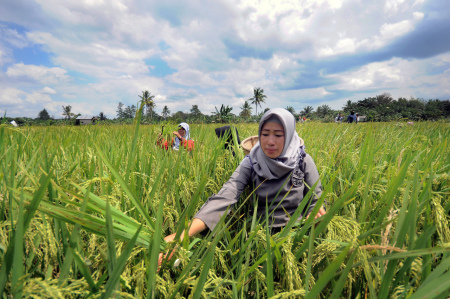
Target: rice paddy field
(83, 211)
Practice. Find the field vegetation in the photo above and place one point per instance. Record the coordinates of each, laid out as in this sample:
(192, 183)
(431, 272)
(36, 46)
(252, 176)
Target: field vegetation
(83, 211)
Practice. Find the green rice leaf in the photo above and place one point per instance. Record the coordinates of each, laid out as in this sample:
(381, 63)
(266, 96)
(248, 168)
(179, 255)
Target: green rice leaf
(110, 239)
(5, 268)
(327, 274)
(120, 266)
(84, 270)
(138, 205)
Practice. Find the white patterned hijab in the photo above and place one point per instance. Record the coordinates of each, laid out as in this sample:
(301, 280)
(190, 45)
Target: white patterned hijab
(275, 168)
(176, 144)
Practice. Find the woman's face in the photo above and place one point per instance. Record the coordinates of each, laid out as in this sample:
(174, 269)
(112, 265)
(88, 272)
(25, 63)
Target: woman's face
(272, 139)
(181, 131)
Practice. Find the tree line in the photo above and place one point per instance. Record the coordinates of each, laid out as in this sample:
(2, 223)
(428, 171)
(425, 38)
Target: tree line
(380, 108)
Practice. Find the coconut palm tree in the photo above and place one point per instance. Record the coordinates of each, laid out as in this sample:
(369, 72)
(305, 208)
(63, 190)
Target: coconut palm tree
(147, 98)
(223, 115)
(258, 97)
(67, 111)
(307, 111)
(291, 109)
(246, 110)
(165, 112)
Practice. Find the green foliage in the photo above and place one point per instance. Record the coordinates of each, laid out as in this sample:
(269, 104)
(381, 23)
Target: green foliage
(258, 97)
(43, 115)
(385, 233)
(223, 115)
(148, 99)
(246, 111)
(385, 108)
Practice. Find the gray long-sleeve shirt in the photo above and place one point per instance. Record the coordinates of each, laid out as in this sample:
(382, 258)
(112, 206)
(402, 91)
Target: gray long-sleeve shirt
(243, 176)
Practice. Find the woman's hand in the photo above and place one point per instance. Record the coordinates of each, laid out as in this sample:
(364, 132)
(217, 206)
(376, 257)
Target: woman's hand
(177, 134)
(162, 256)
(196, 226)
(319, 214)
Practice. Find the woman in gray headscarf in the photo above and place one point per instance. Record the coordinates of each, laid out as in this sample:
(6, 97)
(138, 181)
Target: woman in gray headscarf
(280, 168)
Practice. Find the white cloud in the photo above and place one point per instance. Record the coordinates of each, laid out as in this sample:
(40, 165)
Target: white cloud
(13, 37)
(418, 15)
(48, 90)
(96, 59)
(390, 31)
(11, 96)
(400, 77)
(392, 6)
(38, 98)
(218, 51)
(39, 73)
(372, 76)
(345, 45)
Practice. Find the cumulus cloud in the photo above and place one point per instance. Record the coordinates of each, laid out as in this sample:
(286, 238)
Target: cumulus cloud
(39, 73)
(191, 53)
(37, 97)
(12, 37)
(392, 6)
(401, 77)
(11, 96)
(389, 31)
(48, 90)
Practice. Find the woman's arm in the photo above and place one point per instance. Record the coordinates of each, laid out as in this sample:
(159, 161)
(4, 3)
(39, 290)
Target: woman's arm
(216, 206)
(196, 227)
(177, 134)
(311, 177)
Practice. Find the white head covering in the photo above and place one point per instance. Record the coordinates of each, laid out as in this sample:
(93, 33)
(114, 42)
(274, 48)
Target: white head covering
(176, 144)
(275, 168)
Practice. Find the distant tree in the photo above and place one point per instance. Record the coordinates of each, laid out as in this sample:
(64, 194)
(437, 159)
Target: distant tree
(446, 108)
(258, 97)
(195, 112)
(324, 111)
(150, 104)
(384, 99)
(43, 115)
(433, 110)
(349, 106)
(129, 112)
(102, 116)
(307, 111)
(165, 112)
(67, 112)
(265, 110)
(291, 110)
(246, 110)
(180, 116)
(120, 110)
(223, 115)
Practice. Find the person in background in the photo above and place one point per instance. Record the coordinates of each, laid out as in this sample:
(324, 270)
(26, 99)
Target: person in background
(279, 166)
(225, 132)
(351, 118)
(182, 137)
(338, 118)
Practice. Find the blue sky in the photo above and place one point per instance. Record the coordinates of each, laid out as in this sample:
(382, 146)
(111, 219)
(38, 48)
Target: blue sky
(93, 54)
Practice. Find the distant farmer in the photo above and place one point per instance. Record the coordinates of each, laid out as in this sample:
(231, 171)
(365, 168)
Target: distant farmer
(226, 134)
(280, 168)
(351, 118)
(182, 137)
(338, 118)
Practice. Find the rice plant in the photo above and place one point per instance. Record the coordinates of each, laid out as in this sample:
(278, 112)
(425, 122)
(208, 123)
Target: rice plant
(84, 211)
